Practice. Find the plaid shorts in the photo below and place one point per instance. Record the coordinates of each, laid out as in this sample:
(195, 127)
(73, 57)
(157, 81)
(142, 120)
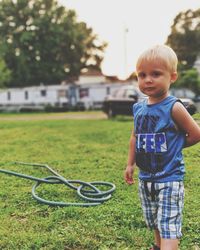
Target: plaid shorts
(162, 205)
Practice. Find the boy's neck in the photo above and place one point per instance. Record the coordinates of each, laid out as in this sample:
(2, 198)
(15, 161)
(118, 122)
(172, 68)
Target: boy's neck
(154, 100)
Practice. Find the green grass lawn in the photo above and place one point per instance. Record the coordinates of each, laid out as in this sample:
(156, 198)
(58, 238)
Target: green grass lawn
(88, 150)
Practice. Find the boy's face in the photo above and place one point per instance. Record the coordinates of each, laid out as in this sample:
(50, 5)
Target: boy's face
(154, 79)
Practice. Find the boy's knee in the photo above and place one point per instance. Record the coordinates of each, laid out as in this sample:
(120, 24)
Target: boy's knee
(169, 244)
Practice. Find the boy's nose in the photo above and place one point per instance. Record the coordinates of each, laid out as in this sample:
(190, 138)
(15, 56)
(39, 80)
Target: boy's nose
(148, 79)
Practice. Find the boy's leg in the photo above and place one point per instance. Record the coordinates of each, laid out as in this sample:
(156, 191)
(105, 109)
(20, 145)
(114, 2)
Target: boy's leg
(171, 199)
(157, 238)
(165, 244)
(168, 244)
(149, 208)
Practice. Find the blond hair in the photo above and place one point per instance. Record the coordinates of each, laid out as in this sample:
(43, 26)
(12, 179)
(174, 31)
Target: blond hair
(159, 52)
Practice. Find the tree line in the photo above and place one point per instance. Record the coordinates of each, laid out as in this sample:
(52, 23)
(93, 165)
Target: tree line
(42, 42)
(185, 40)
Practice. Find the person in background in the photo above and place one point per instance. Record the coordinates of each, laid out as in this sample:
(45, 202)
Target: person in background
(162, 128)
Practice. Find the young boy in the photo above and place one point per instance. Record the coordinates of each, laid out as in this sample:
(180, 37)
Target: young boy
(162, 128)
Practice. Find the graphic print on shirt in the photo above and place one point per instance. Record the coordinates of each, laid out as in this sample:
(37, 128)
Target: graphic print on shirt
(150, 145)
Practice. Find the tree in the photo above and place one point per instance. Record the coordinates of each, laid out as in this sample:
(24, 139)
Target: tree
(185, 37)
(189, 79)
(5, 74)
(42, 42)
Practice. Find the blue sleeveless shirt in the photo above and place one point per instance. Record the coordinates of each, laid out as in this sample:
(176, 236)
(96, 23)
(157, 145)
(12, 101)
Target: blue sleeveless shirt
(159, 143)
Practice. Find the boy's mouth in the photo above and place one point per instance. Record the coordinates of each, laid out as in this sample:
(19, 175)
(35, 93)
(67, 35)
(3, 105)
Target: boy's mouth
(149, 88)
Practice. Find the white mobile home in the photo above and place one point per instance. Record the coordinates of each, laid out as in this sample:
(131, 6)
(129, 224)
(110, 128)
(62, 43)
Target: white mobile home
(57, 97)
(91, 96)
(36, 97)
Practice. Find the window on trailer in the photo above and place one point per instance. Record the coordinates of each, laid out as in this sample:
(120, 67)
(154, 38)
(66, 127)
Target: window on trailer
(43, 92)
(26, 95)
(8, 95)
(84, 92)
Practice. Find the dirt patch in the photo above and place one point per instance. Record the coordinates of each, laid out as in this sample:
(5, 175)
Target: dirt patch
(57, 116)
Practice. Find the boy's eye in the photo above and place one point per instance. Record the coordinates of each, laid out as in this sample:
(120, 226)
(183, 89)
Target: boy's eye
(156, 73)
(141, 75)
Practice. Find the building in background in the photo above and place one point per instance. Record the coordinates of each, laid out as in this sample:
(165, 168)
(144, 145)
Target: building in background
(88, 92)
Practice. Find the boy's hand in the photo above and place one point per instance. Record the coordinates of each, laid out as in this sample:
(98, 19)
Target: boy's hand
(128, 175)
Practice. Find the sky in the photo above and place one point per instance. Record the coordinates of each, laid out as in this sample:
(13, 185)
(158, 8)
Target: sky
(128, 26)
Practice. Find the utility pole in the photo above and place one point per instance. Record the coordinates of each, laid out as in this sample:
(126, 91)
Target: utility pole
(125, 31)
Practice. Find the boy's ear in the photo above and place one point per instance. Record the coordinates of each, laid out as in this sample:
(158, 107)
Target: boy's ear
(174, 77)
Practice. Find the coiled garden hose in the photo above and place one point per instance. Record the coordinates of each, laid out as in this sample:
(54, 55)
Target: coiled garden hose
(93, 195)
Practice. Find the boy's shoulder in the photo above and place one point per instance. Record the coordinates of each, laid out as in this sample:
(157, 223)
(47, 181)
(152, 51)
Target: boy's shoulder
(139, 105)
(164, 106)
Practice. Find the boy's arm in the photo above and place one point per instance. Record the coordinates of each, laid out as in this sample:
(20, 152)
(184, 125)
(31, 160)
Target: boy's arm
(128, 176)
(186, 123)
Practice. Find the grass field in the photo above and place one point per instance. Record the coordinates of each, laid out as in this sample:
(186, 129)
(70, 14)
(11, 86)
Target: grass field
(89, 150)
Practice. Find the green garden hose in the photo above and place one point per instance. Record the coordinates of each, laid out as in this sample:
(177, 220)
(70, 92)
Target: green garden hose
(93, 195)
